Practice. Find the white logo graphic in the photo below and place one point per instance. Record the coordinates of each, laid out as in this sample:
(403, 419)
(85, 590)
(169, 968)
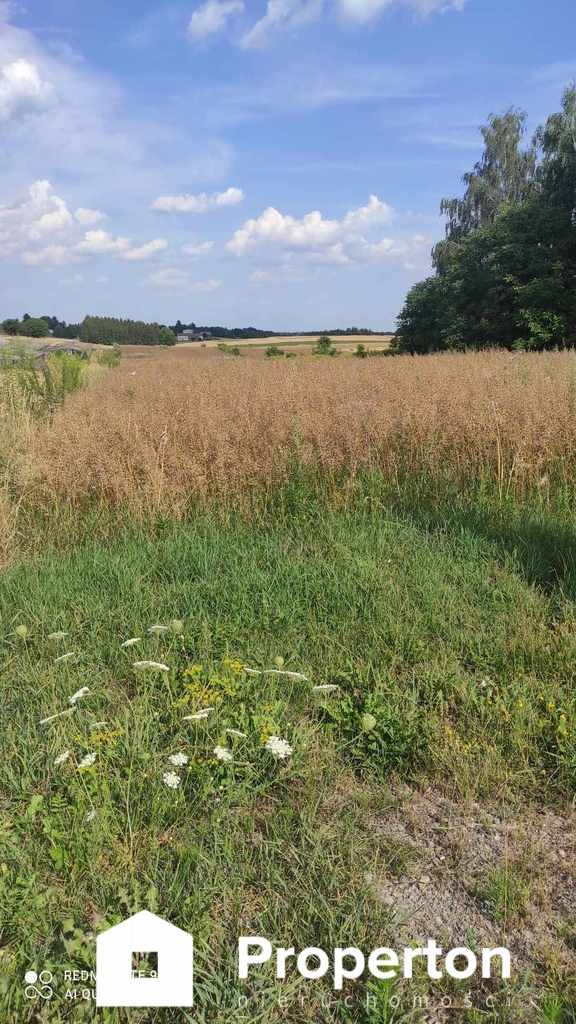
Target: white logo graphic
(41, 991)
(144, 938)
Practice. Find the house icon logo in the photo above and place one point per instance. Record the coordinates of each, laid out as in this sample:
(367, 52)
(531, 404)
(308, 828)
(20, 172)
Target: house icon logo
(144, 961)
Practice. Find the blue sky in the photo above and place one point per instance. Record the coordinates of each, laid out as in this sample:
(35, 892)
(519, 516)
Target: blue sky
(245, 162)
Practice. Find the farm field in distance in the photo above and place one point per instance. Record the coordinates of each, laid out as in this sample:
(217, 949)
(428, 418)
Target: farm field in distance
(289, 649)
(344, 343)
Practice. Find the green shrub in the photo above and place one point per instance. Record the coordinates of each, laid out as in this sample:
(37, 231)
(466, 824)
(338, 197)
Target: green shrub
(45, 386)
(324, 346)
(229, 350)
(111, 358)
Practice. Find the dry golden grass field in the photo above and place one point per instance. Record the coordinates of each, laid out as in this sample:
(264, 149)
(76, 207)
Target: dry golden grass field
(171, 429)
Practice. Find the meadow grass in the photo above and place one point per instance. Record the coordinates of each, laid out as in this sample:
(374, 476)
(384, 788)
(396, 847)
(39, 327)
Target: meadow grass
(452, 669)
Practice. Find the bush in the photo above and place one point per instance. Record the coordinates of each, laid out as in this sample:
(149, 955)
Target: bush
(229, 350)
(35, 328)
(273, 351)
(324, 346)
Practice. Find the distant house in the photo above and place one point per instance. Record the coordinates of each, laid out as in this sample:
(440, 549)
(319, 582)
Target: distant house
(189, 335)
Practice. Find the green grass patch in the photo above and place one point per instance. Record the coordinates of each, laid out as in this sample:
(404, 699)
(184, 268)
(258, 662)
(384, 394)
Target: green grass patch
(445, 663)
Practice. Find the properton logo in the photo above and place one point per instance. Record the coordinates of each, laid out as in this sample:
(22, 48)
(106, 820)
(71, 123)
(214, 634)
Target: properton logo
(349, 962)
(144, 939)
(166, 953)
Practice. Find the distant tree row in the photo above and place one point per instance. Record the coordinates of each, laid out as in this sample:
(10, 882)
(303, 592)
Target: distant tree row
(505, 274)
(221, 332)
(40, 327)
(107, 330)
(255, 332)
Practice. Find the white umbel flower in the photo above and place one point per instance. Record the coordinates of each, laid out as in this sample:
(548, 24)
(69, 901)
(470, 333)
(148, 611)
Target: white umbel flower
(67, 711)
(88, 760)
(223, 754)
(198, 716)
(79, 693)
(155, 666)
(171, 779)
(58, 635)
(90, 815)
(236, 732)
(279, 748)
(178, 759)
(65, 657)
(131, 641)
(274, 672)
(62, 757)
(156, 630)
(325, 688)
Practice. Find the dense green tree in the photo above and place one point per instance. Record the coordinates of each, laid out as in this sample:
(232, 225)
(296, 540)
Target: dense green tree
(112, 331)
(503, 176)
(11, 326)
(35, 327)
(506, 272)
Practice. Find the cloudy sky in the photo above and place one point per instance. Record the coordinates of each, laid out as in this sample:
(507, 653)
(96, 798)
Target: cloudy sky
(269, 162)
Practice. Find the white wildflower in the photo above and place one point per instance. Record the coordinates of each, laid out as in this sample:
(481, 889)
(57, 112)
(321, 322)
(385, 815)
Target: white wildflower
(65, 657)
(98, 725)
(90, 815)
(203, 713)
(67, 711)
(130, 643)
(158, 629)
(223, 754)
(325, 688)
(58, 635)
(88, 760)
(156, 666)
(274, 672)
(279, 748)
(236, 732)
(62, 757)
(171, 779)
(282, 672)
(178, 759)
(79, 693)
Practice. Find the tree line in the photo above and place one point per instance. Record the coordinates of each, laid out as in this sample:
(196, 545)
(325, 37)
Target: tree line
(40, 327)
(505, 273)
(108, 330)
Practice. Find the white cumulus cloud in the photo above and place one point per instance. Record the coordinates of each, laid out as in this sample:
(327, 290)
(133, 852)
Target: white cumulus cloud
(211, 17)
(40, 214)
(88, 217)
(201, 203)
(99, 242)
(144, 252)
(313, 232)
(198, 249)
(22, 90)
